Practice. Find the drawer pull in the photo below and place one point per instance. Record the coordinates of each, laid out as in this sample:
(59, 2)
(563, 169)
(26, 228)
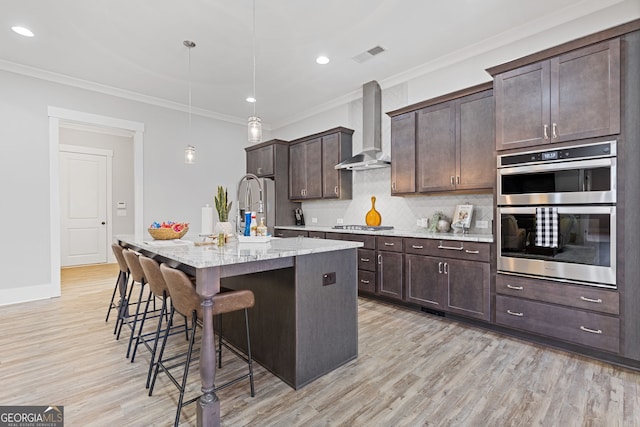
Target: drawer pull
(365, 259)
(593, 331)
(472, 252)
(366, 282)
(389, 244)
(515, 313)
(597, 301)
(417, 246)
(440, 246)
(515, 288)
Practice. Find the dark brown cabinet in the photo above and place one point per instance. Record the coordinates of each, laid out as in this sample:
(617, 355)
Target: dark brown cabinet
(311, 168)
(449, 276)
(444, 144)
(305, 166)
(283, 232)
(454, 144)
(568, 97)
(390, 272)
(403, 153)
(579, 314)
(366, 259)
(261, 160)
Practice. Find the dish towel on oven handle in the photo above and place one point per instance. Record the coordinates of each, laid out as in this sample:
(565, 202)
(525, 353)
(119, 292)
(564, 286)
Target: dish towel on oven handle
(547, 227)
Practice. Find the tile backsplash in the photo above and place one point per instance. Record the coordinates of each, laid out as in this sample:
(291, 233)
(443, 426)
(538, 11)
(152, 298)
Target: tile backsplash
(400, 212)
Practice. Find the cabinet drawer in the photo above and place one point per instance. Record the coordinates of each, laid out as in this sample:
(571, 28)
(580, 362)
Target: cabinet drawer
(366, 259)
(577, 326)
(391, 244)
(472, 251)
(367, 281)
(279, 232)
(316, 234)
(369, 241)
(585, 297)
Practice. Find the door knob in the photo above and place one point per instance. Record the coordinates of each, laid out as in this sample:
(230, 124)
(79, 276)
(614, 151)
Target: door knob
(103, 223)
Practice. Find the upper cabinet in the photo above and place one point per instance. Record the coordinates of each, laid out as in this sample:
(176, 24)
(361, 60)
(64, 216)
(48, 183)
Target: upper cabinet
(261, 158)
(311, 169)
(567, 97)
(403, 153)
(444, 144)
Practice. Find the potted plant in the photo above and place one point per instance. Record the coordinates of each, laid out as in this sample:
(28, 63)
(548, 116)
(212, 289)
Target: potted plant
(223, 206)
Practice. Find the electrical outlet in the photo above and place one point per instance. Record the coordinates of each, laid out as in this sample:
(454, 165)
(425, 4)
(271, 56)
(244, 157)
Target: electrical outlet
(482, 224)
(340, 221)
(314, 220)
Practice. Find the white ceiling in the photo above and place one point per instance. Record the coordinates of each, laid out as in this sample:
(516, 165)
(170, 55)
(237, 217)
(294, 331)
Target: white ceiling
(136, 46)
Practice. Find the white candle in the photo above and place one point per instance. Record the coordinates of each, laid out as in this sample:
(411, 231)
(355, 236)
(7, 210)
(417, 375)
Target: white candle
(207, 220)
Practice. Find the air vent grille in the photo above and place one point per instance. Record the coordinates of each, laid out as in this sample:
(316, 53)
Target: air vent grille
(368, 54)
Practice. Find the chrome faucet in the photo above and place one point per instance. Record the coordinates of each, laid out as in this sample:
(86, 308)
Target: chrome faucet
(248, 199)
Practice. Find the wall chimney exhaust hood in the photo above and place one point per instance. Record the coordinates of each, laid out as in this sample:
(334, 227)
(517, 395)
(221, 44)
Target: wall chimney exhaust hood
(371, 156)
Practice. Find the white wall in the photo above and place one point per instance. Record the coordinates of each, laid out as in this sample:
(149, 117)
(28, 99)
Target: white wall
(172, 190)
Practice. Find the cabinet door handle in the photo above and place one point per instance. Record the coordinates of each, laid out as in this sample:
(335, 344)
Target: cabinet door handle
(545, 131)
(393, 186)
(259, 171)
(335, 189)
(515, 313)
(457, 179)
(389, 244)
(515, 288)
(471, 252)
(446, 268)
(379, 258)
(366, 282)
(593, 331)
(365, 259)
(440, 267)
(452, 180)
(452, 248)
(417, 246)
(554, 130)
(597, 301)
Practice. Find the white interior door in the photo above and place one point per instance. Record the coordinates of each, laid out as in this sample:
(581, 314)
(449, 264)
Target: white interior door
(83, 208)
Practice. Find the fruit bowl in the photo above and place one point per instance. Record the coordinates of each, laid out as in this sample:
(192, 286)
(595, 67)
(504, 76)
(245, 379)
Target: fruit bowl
(168, 231)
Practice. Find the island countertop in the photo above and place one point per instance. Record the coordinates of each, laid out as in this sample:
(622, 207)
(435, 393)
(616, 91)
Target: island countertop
(188, 253)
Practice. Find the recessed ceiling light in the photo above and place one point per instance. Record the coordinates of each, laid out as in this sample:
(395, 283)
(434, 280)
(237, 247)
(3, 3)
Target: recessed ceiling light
(22, 31)
(322, 60)
(251, 99)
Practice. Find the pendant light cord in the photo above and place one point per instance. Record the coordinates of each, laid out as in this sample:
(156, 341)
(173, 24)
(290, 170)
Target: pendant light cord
(254, 58)
(190, 88)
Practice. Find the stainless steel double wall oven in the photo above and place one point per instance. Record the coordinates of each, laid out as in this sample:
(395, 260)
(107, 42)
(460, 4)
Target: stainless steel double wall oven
(557, 214)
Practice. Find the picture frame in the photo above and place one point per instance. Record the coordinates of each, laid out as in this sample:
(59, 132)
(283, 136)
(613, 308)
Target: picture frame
(462, 216)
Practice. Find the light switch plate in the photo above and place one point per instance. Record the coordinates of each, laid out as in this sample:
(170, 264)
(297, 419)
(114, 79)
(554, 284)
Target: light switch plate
(340, 221)
(314, 220)
(482, 224)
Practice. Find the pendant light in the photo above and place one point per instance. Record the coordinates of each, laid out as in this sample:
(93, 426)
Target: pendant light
(190, 150)
(254, 124)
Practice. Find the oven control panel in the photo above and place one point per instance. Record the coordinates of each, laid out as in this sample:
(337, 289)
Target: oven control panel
(590, 151)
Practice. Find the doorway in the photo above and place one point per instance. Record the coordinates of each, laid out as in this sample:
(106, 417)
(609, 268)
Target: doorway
(57, 118)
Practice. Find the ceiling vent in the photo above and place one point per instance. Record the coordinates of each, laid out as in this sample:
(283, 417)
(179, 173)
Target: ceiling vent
(368, 54)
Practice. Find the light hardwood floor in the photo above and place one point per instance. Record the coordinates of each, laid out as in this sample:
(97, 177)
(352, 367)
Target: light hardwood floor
(413, 369)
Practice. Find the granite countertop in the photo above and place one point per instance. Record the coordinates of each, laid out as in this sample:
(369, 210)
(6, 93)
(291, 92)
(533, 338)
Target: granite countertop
(417, 232)
(186, 252)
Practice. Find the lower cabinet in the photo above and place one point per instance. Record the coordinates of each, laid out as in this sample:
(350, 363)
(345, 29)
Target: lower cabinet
(456, 286)
(390, 274)
(582, 315)
(280, 232)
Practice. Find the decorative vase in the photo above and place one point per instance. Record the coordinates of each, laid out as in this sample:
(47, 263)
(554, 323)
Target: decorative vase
(443, 226)
(373, 217)
(223, 227)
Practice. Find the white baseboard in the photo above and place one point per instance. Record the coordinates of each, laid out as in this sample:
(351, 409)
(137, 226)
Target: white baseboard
(28, 293)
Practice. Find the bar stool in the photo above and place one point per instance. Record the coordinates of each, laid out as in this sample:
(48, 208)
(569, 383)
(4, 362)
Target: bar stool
(137, 276)
(121, 280)
(186, 301)
(157, 289)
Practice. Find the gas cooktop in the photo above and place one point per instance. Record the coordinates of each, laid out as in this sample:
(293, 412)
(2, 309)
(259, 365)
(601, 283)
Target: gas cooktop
(363, 227)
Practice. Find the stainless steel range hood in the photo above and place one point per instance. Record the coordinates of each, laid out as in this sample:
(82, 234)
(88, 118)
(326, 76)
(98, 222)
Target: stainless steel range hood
(371, 156)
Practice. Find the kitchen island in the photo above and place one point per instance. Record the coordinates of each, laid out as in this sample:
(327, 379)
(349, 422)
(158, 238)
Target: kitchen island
(304, 323)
